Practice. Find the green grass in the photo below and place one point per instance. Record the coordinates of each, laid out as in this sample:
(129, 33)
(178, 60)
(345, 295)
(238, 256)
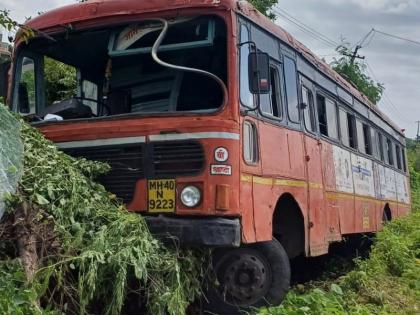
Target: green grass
(387, 283)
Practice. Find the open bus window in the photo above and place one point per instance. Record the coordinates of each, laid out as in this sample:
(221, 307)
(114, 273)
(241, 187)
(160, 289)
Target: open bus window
(132, 82)
(404, 161)
(351, 127)
(380, 144)
(367, 139)
(377, 146)
(390, 152)
(399, 159)
(270, 103)
(308, 111)
(327, 117)
(60, 81)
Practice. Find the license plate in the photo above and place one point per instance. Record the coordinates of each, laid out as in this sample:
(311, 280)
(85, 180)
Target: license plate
(161, 195)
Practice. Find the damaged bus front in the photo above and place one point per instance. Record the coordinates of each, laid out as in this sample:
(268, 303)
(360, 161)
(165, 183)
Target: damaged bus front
(150, 98)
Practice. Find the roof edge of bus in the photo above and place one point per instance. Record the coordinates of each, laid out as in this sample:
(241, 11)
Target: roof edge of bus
(249, 11)
(94, 9)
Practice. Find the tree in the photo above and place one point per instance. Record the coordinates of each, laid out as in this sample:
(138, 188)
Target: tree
(355, 72)
(264, 6)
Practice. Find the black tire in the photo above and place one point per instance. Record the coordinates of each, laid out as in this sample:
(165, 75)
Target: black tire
(272, 265)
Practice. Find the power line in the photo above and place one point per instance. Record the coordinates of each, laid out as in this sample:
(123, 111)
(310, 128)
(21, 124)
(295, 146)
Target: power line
(397, 37)
(305, 28)
(387, 100)
(364, 38)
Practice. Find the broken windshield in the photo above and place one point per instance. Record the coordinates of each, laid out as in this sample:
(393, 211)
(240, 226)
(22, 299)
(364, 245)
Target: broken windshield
(115, 72)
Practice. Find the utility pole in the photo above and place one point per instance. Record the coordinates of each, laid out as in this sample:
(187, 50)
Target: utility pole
(354, 55)
(418, 130)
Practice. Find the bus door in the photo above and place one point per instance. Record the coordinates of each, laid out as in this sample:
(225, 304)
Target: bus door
(317, 216)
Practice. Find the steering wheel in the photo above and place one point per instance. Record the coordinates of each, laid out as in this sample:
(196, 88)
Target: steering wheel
(100, 104)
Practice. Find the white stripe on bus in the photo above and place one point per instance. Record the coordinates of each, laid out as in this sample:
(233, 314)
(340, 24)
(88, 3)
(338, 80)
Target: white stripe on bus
(194, 135)
(100, 142)
(142, 139)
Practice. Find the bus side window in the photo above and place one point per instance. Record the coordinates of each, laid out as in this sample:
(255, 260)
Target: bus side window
(247, 98)
(250, 143)
(390, 152)
(398, 153)
(270, 103)
(386, 149)
(322, 115)
(368, 139)
(379, 148)
(351, 127)
(290, 78)
(308, 111)
(345, 139)
(360, 136)
(404, 161)
(327, 117)
(26, 88)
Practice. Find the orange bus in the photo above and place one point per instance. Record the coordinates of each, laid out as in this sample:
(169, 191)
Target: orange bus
(220, 128)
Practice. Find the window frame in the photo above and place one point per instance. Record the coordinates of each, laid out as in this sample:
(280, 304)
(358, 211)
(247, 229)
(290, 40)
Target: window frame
(367, 135)
(254, 146)
(286, 94)
(351, 122)
(311, 107)
(328, 100)
(279, 96)
(243, 67)
(38, 80)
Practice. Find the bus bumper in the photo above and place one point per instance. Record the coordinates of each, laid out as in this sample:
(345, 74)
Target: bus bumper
(212, 232)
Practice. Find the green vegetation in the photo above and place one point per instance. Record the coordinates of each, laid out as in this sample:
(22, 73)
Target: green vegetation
(413, 150)
(83, 251)
(387, 283)
(60, 81)
(355, 73)
(264, 6)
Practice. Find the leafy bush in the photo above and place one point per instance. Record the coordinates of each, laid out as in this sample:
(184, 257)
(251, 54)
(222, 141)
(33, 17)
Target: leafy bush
(95, 251)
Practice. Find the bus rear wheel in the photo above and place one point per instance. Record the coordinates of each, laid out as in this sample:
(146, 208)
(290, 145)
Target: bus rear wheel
(249, 277)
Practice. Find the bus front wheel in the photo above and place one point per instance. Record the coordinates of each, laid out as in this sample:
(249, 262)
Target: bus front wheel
(249, 277)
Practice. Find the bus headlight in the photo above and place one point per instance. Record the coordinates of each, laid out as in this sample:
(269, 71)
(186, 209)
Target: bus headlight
(191, 196)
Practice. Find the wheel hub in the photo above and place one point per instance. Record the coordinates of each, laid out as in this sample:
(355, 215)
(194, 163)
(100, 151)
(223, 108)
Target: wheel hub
(245, 278)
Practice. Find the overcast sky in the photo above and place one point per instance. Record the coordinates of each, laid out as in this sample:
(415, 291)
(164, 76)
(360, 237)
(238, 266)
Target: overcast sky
(393, 62)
